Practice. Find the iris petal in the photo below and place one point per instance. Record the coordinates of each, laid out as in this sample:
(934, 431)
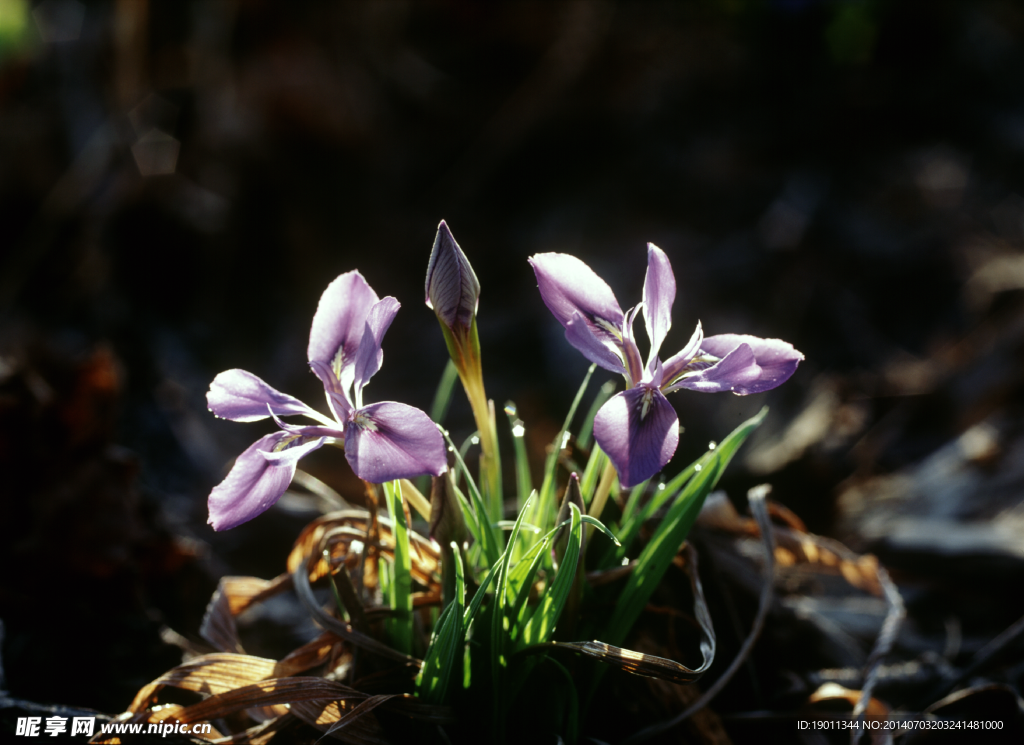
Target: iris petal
(569, 286)
(243, 397)
(339, 323)
(369, 356)
(731, 373)
(388, 440)
(596, 349)
(675, 364)
(659, 294)
(257, 480)
(638, 439)
(777, 360)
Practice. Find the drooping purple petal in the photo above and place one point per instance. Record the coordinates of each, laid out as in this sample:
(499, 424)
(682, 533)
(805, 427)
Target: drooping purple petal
(337, 397)
(242, 397)
(569, 286)
(659, 294)
(389, 440)
(598, 350)
(369, 356)
(255, 482)
(675, 364)
(638, 443)
(452, 289)
(339, 321)
(734, 372)
(776, 359)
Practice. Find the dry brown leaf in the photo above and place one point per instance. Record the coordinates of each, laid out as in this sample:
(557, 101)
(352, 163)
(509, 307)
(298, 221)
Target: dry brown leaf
(209, 674)
(309, 655)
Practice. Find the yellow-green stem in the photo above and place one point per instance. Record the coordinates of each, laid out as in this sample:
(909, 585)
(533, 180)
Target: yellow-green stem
(490, 464)
(604, 488)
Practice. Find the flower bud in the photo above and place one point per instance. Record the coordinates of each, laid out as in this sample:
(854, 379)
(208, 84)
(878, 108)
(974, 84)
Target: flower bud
(452, 289)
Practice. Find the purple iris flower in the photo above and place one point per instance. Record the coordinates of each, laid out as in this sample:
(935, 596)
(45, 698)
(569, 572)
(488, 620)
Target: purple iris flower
(638, 428)
(382, 441)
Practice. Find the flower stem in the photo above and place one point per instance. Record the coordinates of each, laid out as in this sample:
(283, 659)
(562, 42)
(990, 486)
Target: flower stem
(464, 348)
(604, 488)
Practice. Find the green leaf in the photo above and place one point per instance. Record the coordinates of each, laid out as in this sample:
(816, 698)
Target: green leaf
(595, 465)
(603, 394)
(544, 619)
(443, 395)
(544, 511)
(400, 590)
(439, 662)
(672, 531)
(487, 534)
(524, 480)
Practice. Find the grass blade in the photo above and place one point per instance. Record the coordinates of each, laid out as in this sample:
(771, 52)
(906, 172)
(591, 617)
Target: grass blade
(542, 623)
(400, 589)
(670, 534)
(488, 534)
(543, 512)
(524, 480)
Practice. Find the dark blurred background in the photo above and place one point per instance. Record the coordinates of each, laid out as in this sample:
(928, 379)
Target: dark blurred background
(179, 181)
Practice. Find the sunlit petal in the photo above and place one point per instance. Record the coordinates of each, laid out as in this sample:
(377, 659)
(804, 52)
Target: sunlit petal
(731, 373)
(369, 356)
(339, 324)
(568, 286)
(777, 360)
(257, 480)
(675, 364)
(639, 430)
(242, 397)
(388, 440)
(659, 294)
(598, 350)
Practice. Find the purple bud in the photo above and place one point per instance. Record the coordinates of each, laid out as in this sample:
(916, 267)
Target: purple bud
(452, 289)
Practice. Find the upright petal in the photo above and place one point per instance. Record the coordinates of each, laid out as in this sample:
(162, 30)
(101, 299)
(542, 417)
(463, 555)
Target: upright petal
(734, 372)
(639, 430)
(630, 351)
(569, 286)
(452, 288)
(675, 364)
(369, 356)
(776, 359)
(337, 397)
(339, 323)
(659, 294)
(389, 440)
(242, 397)
(256, 482)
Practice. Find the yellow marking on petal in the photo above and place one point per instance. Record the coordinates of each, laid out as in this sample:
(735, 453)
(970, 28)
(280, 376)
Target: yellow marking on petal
(364, 422)
(617, 333)
(336, 363)
(646, 402)
(286, 443)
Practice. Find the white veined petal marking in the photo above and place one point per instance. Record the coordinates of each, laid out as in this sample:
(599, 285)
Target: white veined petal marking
(336, 363)
(288, 442)
(364, 422)
(645, 402)
(702, 361)
(609, 327)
